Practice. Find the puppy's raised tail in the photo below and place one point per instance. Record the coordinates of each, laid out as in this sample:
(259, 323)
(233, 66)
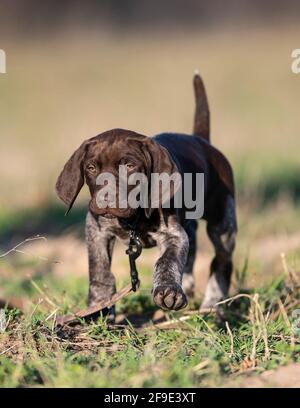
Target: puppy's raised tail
(201, 120)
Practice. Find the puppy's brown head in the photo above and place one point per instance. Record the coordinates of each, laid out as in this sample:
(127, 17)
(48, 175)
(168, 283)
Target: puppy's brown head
(104, 154)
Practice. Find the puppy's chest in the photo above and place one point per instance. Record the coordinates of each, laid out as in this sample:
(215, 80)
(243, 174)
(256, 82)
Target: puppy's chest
(147, 234)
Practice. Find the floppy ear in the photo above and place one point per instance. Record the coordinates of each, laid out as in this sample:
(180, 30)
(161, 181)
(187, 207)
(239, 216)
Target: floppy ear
(158, 161)
(71, 179)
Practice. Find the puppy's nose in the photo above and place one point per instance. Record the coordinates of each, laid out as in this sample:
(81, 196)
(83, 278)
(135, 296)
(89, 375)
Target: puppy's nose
(106, 199)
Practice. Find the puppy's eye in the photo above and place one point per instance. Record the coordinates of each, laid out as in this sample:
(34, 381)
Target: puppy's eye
(91, 168)
(130, 166)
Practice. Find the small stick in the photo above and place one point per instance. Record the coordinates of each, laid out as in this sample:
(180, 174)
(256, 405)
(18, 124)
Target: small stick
(14, 249)
(187, 315)
(169, 323)
(62, 320)
(51, 314)
(41, 292)
(5, 351)
(201, 365)
(231, 339)
(287, 322)
(288, 271)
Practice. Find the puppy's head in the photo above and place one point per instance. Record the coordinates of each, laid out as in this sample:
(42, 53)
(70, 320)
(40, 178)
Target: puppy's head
(104, 154)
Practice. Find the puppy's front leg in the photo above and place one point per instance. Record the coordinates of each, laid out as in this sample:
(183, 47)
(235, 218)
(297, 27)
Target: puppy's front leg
(173, 243)
(100, 244)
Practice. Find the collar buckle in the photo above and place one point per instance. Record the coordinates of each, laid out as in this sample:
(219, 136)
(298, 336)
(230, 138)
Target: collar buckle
(134, 251)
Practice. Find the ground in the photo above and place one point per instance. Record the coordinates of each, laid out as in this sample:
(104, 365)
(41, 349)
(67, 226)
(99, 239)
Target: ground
(253, 334)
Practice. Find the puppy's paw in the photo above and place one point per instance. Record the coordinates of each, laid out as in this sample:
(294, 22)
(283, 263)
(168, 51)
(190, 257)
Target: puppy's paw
(170, 297)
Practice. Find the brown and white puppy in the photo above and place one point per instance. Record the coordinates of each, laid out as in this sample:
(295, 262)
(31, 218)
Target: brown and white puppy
(167, 228)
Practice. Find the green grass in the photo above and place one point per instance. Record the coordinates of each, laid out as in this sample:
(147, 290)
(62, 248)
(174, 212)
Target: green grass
(194, 352)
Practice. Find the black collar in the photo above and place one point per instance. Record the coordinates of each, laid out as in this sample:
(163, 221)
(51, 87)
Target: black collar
(131, 224)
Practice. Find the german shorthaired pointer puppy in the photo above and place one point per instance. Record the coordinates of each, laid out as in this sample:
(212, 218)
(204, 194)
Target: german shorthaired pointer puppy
(168, 228)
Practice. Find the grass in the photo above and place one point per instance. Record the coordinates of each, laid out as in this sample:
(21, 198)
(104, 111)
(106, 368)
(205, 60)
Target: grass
(197, 351)
(251, 335)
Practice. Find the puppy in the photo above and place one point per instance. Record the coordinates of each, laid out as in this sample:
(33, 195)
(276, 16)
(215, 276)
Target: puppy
(169, 228)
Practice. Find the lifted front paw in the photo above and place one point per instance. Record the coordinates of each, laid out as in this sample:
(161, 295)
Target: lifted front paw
(170, 297)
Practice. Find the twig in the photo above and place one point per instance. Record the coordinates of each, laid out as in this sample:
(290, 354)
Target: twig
(255, 337)
(287, 322)
(290, 306)
(201, 365)
(231, 339)
(169, 323)
(41, 292)
(5, 351)
(186, 316)
(14, 249)
(35, 307)
(288, 271)
(52, 314)
(62, 320)
(41, 258)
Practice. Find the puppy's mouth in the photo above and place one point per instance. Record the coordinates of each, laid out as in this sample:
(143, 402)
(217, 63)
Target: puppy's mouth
(111, 213)
(108, 216)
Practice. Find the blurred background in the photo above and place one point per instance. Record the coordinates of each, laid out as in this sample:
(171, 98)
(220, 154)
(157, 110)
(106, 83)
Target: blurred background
(75, 69)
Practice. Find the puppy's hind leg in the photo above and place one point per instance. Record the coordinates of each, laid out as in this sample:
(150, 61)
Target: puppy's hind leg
(222, 235)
